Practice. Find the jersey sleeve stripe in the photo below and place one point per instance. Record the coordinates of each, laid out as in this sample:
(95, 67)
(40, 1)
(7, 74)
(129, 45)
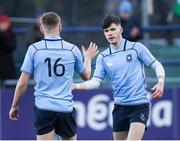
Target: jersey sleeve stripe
(152, 62)
(98, 77)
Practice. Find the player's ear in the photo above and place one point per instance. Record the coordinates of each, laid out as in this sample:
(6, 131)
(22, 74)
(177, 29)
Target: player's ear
(121, 30)
(41, 29)
(60, 27)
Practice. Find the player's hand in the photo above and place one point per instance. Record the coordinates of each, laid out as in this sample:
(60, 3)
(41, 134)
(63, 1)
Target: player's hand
(158, 90)
(73, 86)
(13, 113)
(91, 52)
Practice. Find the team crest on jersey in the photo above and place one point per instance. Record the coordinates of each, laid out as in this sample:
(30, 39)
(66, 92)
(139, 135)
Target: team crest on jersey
(129, 57)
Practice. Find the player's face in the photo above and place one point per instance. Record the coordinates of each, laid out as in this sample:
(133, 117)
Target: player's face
(113, 33)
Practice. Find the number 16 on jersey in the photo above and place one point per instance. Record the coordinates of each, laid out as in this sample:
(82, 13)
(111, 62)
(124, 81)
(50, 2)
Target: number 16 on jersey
(54, 67)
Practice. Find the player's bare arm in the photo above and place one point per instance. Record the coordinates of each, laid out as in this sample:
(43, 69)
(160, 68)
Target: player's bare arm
(160, 73)
(89, 54)
(19, 91)
(94, 83)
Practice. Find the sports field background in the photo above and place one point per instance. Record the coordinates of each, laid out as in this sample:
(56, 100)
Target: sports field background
(81, 24)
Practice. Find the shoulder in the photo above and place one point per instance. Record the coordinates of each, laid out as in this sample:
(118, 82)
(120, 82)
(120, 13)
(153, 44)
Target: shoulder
(68, 45)
(130, 44)
(105, 52)
(140, 48)
(72, 48)
(33, 48)
(38, 45)
(139, 45)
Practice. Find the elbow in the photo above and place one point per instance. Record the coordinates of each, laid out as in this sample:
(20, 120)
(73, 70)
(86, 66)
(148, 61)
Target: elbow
(22, 86)
(164, 75)
(163, 70)
(86, 75)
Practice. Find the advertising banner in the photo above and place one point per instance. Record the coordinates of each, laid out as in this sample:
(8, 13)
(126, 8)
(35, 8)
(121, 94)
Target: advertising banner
(93, 115)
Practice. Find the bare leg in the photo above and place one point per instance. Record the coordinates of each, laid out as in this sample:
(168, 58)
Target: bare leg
(71, 138)
(120, 135)
(48, 136)
(136, 131)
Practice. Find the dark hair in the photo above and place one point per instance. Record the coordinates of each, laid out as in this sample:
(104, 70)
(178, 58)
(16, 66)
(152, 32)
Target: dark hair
(50, 20)
(109, 19)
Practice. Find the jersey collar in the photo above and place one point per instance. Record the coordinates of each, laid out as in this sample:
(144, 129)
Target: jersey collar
(52, 38)
(120, 48)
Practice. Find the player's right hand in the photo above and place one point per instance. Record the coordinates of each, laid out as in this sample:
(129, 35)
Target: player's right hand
(13, 113)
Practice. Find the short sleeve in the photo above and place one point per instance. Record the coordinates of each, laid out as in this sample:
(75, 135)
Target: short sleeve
(27, 65)
(79, 65)
(99, 70)
(144, 54)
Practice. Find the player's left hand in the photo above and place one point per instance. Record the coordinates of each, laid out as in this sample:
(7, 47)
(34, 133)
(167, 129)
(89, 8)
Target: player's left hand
(91, 52)
(158, 90)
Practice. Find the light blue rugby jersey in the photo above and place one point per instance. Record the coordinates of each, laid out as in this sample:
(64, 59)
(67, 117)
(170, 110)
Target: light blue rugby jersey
(52, 61)
(125, 69)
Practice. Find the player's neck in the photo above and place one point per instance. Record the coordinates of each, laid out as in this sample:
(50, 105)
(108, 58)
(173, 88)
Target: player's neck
(52, 34)
(117, 44)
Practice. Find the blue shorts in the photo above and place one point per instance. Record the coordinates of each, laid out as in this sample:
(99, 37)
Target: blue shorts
(123, 116)
(63, 123)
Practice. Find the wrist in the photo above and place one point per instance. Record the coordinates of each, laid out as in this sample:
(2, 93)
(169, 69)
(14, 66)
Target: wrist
(77, 86)
(88, 58)
(161, 79)
(14, 106)
(87, 62)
